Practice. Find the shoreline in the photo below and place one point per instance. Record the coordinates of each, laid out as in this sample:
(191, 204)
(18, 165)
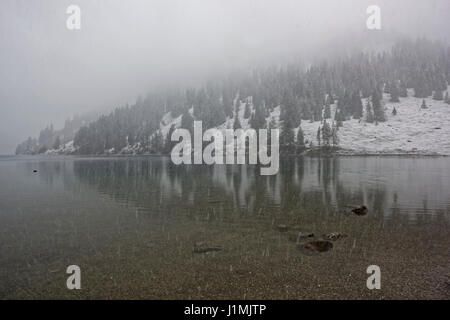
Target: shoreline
(308, 153)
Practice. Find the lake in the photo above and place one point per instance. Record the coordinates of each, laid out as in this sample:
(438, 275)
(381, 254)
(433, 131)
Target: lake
(131, 223)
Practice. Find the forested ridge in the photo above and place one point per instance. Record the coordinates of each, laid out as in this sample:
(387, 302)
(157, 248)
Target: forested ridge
(354, 84)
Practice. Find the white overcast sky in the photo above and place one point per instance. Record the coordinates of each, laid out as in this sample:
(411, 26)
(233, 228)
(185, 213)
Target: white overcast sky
(126, 47)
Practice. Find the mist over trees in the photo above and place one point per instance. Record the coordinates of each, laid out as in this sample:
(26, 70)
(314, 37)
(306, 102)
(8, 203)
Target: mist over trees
(303, 94)
(50, 138)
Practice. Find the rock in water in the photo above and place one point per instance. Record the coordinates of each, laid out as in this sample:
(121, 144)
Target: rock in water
(318, 246)
(360, 211)
(203, 247)
(333, 236)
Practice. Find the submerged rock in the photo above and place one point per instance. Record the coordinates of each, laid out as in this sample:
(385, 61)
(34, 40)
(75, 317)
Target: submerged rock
(360, 211)
(203, 247)
(318, 246)
(333, 236)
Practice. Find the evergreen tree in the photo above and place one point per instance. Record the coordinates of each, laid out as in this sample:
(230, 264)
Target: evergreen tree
(378, 111)
(422, 87)
(394, 112)
(300, 141)
(288, 108)
(156, 144)
(326, 133)
(287, 135)
(57, 143)
(247, 111)
(357, 107)
(369, 112)
(329, 99)
(45, 139)
(168, 143)
(187, 122)
(339, 118)
(82, 140)
(424, 104)
(257, 120)
(236, 122)
(394, 92)
(237, 105)
(334, 135)
(29, 146)
(344, 105)
(319, 133)
(327, 110)
(270, 125)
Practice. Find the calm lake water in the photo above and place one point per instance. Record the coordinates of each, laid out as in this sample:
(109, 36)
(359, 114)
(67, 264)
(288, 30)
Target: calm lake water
(82, 210)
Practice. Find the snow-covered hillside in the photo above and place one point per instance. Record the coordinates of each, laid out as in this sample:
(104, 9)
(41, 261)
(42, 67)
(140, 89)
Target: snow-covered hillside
(67, 148)
(412, 130)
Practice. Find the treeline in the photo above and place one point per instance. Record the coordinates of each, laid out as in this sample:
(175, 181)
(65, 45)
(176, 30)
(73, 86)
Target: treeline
(53, 139)
(304, 95)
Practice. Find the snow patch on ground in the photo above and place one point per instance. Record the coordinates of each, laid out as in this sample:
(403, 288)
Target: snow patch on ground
(167, 122)
(412, 130)
(67, 148)
(245, 123)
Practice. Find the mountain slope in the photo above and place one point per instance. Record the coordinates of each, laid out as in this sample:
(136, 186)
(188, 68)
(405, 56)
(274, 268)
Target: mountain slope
(412, 130)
